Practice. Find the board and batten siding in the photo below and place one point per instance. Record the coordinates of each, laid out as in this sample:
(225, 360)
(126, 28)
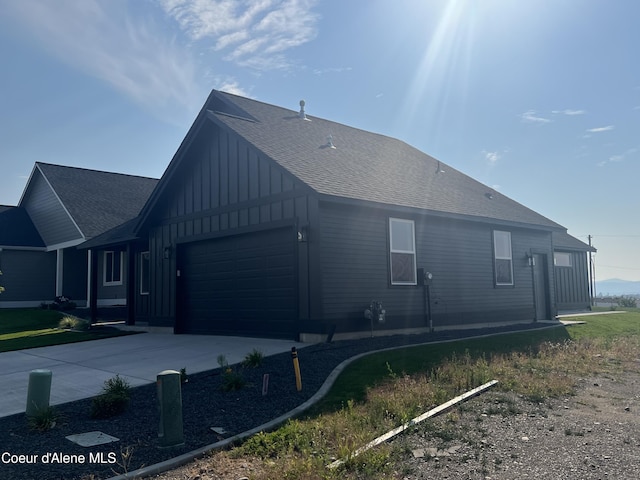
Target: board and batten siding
(47, 213)
(459, 254)
(572, 283)
(223, 187)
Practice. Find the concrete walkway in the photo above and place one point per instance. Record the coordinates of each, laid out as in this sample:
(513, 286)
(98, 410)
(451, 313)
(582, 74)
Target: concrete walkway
(79, 370)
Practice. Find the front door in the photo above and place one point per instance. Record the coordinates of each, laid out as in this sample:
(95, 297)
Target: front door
(541, 286)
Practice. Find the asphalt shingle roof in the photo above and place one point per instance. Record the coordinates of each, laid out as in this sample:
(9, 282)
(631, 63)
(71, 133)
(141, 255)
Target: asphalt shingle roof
(563, 240)
(17, 229)
(98, 201)
(363, 165)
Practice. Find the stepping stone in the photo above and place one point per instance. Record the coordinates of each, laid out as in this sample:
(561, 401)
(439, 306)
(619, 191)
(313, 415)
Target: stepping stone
(91, 439)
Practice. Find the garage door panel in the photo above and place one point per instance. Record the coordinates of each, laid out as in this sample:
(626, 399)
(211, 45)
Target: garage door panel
(239, 285)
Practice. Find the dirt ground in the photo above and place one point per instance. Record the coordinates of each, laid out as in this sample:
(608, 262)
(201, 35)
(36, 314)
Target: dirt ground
(594, 434)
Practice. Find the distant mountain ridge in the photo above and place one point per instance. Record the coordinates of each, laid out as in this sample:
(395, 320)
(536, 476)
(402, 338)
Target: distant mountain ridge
(615, 286)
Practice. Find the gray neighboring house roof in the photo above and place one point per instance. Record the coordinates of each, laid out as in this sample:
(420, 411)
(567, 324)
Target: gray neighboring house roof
(363, 166)
(17, 229)
(97, 201)
(564, 241)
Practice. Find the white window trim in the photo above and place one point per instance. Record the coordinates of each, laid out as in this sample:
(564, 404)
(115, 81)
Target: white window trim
(568, 256)
(104, 268)
(496, 257)
(142, 254)
(411, 252)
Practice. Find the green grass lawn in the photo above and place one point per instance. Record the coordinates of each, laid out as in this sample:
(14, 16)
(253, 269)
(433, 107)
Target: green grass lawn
(30, 328)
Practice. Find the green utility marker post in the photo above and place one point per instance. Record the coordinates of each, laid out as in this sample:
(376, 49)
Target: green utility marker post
(38, 392)
(170, 432)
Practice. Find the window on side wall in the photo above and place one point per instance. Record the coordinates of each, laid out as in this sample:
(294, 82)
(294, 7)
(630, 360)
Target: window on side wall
(562, 259)
(402, 256)
(112, 268)
(144, 273)
(503, 258)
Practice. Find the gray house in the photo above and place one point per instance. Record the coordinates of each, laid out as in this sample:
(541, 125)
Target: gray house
(270, 222)
(61, 207)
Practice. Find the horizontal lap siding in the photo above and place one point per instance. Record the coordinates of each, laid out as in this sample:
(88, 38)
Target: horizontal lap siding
(27, 276)
(355, 270)
(223, 187)
(47, 213)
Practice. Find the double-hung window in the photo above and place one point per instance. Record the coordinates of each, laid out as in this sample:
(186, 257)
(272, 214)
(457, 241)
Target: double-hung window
(402, 243)
(503, 257)
(112, 268)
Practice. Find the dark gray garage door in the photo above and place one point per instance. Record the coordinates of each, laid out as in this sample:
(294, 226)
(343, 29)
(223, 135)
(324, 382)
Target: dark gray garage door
(240, 285)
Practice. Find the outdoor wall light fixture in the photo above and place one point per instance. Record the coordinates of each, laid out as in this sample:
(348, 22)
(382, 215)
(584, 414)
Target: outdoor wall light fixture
(166, 253)
(530, 260)
(303, 234)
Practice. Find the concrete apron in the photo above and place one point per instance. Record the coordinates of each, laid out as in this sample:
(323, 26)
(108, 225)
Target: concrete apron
(79, 370)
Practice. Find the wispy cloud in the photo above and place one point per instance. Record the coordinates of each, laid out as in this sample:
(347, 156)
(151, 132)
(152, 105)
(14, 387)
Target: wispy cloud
(601, 129)
(323, 71)
(250, 33)
(531, 116)
(619, 158)
(491, 157)
(569, 112)
(230, 85)
(105, 40)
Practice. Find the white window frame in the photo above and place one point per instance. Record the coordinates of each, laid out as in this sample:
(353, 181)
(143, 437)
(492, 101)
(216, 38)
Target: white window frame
(145, 272)
(411, 252)
(497, 257)
(105, 257)
(563, 264)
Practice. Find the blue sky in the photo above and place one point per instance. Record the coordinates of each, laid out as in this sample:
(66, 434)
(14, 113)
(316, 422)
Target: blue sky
(539, 99)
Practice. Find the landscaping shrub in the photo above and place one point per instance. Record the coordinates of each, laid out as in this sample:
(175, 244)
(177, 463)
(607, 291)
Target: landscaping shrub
(113, 400)
(253, 359)
(231, 380)
(627, 302)
(73, 323)
(44, 419)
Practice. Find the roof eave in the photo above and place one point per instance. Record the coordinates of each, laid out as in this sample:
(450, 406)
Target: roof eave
(439, 213)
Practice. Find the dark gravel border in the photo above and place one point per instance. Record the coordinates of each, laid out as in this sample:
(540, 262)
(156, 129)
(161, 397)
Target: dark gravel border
(204, 405)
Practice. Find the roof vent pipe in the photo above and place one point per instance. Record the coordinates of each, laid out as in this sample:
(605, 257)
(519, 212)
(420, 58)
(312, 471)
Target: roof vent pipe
(330, 141)
(302, 115)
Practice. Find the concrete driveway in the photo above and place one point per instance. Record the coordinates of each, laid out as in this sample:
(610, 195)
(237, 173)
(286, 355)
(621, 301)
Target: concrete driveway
(80, 369)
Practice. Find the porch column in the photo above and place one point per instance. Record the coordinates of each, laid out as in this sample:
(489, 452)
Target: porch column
(59, 271)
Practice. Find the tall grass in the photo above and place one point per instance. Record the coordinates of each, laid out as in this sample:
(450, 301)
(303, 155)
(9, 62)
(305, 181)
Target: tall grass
(536, 365)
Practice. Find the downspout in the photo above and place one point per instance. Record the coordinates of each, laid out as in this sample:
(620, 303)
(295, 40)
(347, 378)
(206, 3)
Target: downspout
(93, 269)
(131, 285)
(89, 273)
(532, 263)
(59, 271)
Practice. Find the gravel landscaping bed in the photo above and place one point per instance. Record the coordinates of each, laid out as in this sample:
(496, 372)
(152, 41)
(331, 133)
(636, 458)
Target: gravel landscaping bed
(592, 435)
(205, 405)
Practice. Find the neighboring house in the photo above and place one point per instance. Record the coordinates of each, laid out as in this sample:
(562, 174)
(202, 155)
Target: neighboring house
(571, 272)
(272, 223)
(29, 271)
(60, 208)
